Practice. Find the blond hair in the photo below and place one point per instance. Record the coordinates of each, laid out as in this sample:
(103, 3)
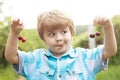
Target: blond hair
(53, 20)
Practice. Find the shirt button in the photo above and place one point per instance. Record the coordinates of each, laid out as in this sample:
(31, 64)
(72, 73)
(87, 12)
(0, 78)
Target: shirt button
(47, 72)
(73, 72)
(59, 76)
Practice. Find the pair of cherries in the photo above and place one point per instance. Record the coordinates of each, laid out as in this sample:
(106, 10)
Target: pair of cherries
(92, 35)
(22, 39)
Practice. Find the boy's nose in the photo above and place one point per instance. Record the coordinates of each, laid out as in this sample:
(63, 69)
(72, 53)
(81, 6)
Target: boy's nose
(59, 38)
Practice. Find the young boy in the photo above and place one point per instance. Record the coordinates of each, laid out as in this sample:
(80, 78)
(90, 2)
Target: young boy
(60, 61)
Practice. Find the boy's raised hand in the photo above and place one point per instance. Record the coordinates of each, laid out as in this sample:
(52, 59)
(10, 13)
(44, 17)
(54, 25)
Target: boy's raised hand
(16, 26)
(102, 21)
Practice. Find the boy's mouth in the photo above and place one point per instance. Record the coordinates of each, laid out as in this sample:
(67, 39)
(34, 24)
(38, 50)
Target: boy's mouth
(59, 45)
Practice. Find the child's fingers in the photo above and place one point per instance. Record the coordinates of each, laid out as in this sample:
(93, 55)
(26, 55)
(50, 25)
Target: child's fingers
(16, 22)
(20, 23)
(16, 25)
(100, 21)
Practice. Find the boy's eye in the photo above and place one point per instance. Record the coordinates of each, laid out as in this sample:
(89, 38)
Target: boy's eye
(51, 34)
(63, 32)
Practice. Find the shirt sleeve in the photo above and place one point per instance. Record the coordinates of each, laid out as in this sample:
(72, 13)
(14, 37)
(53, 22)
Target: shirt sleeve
(94, 60)
(18, 67)
(104, 63)
(28, 62)
(25, 59)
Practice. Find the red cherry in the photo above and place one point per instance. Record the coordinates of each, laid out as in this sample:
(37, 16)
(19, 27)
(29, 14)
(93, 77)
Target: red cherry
(23, 40)
(20, 37)
(92, 35)
(97, 33)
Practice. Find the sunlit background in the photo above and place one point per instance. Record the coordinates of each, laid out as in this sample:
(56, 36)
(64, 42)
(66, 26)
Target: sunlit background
(81, 11)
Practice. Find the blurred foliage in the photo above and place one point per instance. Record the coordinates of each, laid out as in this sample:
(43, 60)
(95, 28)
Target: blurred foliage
(81, 40)
(116, 21)
(113, 73)
(81, 29)
(4, 29)
(8, 74)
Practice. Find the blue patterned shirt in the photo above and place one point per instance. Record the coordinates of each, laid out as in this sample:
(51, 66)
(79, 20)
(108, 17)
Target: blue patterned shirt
(76, 64)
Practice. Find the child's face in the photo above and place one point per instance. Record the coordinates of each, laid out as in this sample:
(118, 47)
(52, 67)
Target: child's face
(58, 40)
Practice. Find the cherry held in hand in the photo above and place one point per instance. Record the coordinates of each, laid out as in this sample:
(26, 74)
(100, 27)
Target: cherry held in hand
(22, 39)
(92, 35)
(97, 33)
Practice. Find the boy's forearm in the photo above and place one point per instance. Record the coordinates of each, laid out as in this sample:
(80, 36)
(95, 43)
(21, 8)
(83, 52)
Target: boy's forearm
(110, 46)
(11, 47)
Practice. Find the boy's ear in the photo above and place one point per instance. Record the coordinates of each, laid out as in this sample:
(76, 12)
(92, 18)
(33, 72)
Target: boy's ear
(43, 40)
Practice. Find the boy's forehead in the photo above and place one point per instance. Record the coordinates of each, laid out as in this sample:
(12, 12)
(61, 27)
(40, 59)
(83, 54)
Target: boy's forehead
(56, 29)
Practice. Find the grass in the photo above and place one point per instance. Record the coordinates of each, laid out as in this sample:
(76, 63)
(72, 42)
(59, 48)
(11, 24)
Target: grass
(7, 74)
(113, 73)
